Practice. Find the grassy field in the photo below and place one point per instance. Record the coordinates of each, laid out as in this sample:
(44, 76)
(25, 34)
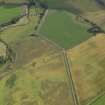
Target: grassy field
(96, 17)
(62, 28)
(73, 5)
(88, 66)
(42, 80)
(8, 13)
(24, 27)
(37, 75)
(2, 49)
(33, 47)
(100, 101)
(87, 5)
(14, 1)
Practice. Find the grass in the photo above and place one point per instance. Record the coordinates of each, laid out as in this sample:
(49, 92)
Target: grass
(100, 101)
(8, 13)
(88, 66)
(2, 49)
(87, 5)
(33, 47)
(96, 17)
(38, 73)
(72, 5)
(37, 82)
(65, 4)
(14, 1)
(20, 29)
(63, 29)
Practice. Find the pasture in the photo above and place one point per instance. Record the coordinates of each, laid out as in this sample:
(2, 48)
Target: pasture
(31, 45)
(13, 1)
(96, 17)
(2, 49)
(7, 13)
(99, 101)
(87, 5)
(24, 27)
(63, 28)
(75, 6)
(88, 68)
(42, 80)
(37, 75)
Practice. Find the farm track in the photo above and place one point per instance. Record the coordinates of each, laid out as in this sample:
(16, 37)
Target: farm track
(42, 20)
(67, 69)
(67, 63)
(69, 74)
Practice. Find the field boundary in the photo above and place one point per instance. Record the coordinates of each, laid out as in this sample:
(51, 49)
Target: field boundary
(42, 20)
(96, 98)
(67, 68)
(70, 79)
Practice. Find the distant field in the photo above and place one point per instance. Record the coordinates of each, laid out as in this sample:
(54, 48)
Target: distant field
(37, 76)
(62, 28)
(8, 13)
(14, 1)
(88, 66)
(2, 49)
(87, 5)
(74, 5)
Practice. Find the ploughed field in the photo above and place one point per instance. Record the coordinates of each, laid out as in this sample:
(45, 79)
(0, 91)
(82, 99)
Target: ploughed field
(88, 68)
(7, 13)
(64, 29)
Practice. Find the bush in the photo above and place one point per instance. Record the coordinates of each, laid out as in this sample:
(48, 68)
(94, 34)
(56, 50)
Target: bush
(2, 60)
(11, 81)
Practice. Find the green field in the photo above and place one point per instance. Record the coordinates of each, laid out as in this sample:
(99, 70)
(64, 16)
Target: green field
(14, 1)
(99, 101)
(73, 5)
(24, 27)
(8, 13)
(62, 28)
(37, 74)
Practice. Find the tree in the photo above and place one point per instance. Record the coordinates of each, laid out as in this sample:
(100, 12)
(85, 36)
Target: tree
(2, 60)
